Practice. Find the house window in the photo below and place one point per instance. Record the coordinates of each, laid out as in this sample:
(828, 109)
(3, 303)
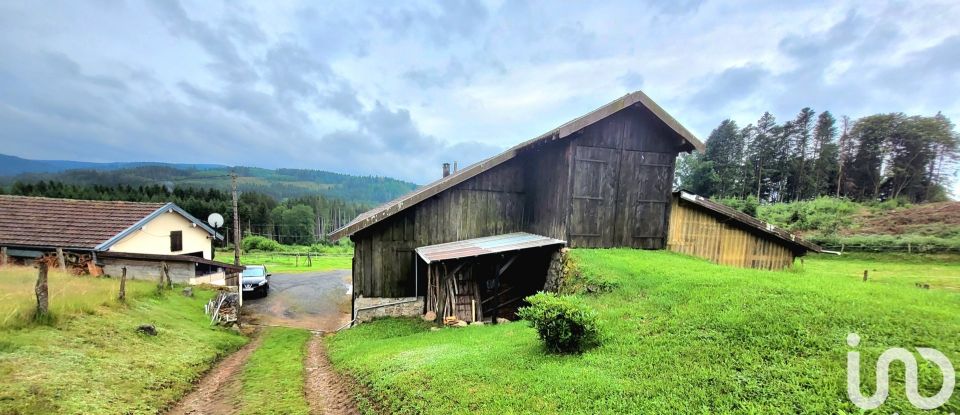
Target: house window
(176, 241)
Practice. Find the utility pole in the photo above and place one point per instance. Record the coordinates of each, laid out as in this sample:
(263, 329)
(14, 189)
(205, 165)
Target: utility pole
(236, 220)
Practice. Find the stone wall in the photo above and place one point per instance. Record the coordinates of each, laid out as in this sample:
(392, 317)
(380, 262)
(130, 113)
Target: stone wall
(369, 308)
(180, 272)
(558, 271)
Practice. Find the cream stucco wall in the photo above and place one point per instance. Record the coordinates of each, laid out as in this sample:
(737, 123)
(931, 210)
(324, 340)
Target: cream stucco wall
(154, 237)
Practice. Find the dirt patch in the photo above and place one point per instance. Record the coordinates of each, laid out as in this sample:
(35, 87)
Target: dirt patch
(327, 392)
(219, 389)
(928, 219)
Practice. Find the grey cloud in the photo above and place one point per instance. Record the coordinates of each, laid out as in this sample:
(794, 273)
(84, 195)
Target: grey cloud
(294, 72)
(217, 44)
(632, 80)
(434, 78)
(730, 85)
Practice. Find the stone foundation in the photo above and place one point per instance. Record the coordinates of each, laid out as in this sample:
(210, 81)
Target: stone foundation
(180, 272)
(558, 271)
(369, 308)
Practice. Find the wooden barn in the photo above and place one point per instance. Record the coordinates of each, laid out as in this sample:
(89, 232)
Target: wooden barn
(601, 180)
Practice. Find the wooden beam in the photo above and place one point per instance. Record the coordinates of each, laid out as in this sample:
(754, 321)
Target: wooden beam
(61, 261)
(507, 265)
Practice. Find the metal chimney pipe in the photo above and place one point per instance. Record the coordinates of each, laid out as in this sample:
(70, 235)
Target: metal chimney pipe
(446, 169)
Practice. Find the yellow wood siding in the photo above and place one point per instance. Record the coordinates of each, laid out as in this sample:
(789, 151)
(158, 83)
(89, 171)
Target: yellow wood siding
(696, 232)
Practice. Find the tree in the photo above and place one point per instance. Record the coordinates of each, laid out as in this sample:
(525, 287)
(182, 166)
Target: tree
(696, 174)
(826, 152)
(762, 154)
(725, 153)
(869, 136)
(799, 137)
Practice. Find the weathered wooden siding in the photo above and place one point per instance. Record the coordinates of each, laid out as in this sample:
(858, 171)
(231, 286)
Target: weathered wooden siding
(489, 204)
(547, 189)
(620, 183)
(694, 231)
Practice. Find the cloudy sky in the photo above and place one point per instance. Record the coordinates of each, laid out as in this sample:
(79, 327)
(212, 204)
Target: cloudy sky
(394, 88)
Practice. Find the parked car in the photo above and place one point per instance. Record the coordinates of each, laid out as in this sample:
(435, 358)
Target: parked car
(255, 280)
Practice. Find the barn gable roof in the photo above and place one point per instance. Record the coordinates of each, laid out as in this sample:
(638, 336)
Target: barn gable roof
(388, 209)
(76, 224)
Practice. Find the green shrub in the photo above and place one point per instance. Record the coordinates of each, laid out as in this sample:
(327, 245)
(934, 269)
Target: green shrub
(565, 323)
(825, 214)
(259, 243)
(748, 205)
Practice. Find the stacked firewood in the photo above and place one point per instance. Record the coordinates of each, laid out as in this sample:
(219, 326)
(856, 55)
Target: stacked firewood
(73, 263)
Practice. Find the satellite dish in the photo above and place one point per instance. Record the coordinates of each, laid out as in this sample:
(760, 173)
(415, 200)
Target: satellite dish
(215, 220)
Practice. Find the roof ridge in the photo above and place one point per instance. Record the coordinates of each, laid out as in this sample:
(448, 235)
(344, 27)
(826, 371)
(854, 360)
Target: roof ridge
(85, 200)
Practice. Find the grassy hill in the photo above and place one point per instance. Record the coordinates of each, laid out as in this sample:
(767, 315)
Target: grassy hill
(875, 227)
(280, 183)
(682, 336)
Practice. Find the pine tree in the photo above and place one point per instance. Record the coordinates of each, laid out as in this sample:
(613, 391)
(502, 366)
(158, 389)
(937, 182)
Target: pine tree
(826, 152)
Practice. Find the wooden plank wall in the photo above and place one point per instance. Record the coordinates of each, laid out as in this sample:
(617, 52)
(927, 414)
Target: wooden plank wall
(620, 182)
(489, 204)
(547, 190)
(694, 231)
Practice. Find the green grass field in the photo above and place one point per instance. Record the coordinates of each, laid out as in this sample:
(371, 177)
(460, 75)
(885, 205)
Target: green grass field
(273, 378)
(286, 264)
(681, 336)
(95, 361)
(69, 295)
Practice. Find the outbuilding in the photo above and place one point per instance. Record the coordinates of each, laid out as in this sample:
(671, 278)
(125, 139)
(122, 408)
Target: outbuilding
(602, 180)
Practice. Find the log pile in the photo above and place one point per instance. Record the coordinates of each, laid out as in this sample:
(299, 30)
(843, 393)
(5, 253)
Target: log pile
(74, 263)
(453, 294)
(224, 308)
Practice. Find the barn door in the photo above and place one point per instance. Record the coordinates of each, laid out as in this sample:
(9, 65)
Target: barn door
(643, 199)
(593, 196)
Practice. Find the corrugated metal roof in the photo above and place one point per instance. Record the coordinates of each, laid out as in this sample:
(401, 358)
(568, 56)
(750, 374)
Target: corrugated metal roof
(486, 245)
(390, 208)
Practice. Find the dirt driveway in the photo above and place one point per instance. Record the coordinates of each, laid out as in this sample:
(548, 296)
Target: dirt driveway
(318, 301)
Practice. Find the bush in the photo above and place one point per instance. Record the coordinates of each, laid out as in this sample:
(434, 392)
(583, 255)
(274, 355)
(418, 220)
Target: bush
(564, 323)
(825, 214)
(748, 205)
(259, 243)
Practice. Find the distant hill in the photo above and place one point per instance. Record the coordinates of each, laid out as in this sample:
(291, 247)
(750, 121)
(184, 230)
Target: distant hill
(13, 165)
(279, 183)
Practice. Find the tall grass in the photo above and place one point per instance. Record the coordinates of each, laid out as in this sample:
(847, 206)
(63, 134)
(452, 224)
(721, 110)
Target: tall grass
(70, 295)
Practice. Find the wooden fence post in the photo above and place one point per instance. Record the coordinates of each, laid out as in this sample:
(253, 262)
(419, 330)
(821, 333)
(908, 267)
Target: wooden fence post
(309, 260)
(297, 262)
(61, 261)
(160, 283)
(41, 290)
(864, 275)
(123, 284)
(166, 271)
(3, 256)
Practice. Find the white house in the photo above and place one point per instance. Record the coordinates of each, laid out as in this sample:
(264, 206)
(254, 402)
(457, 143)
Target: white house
(111, 235)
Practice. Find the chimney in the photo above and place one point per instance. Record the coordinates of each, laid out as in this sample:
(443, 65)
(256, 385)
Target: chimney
(446, 169)
(455, 169)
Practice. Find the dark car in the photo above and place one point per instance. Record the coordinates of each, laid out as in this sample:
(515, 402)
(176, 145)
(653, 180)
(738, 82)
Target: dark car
(255, 280)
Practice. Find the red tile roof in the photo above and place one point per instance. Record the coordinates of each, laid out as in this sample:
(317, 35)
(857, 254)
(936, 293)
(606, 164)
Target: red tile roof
(66, 223)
